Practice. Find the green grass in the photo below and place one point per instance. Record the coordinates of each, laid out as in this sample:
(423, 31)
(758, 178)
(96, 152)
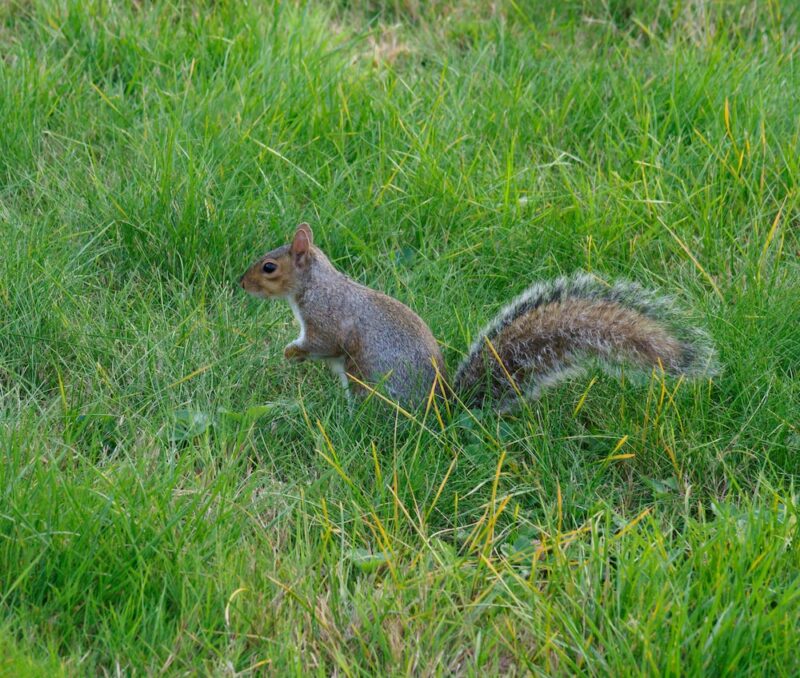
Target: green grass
(174, 498)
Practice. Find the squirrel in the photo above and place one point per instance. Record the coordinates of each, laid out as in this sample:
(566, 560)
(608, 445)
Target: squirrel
(551, 332)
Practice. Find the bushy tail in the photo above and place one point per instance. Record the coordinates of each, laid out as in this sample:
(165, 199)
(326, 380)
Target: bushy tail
(555, 330)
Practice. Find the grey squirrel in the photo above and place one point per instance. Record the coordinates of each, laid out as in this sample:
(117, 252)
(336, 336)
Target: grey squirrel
(549, 333)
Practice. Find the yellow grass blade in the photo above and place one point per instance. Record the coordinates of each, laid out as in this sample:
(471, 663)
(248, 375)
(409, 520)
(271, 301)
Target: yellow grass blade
(691, 256)
(768, 239)
(633, 523)
(579, 406)
(500, 362)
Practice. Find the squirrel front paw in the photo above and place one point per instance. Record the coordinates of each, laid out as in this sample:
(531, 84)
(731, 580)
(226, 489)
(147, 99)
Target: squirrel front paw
(294, 352)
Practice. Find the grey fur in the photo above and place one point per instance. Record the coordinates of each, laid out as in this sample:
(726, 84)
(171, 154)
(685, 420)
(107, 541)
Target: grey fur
(688, 350)
(549, 333)
(364, 336)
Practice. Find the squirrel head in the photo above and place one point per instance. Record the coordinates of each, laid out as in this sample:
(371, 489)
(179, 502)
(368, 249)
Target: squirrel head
(280, 272)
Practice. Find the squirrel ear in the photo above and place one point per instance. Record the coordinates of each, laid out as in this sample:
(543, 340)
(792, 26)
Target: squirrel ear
(301, 243)
(305, 227)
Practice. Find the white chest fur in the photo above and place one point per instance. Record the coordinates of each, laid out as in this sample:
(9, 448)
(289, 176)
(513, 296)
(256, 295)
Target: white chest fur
(336, 364)
(296, 310)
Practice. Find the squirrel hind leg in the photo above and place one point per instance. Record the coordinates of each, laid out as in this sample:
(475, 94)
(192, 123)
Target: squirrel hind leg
(339, 368)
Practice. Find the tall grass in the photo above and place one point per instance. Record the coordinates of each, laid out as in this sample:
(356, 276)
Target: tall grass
(175, 498)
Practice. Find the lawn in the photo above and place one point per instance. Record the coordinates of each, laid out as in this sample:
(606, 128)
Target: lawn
(175, 498)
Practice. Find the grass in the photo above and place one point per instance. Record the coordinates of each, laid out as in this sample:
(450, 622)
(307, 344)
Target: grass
(175, 499)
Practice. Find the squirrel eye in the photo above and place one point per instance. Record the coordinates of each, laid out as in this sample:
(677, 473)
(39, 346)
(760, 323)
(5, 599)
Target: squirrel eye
(270, 267)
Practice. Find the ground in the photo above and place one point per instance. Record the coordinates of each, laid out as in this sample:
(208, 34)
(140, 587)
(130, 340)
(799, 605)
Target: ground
(175, 498)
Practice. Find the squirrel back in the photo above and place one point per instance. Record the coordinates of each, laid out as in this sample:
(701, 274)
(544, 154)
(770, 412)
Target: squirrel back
(549, 333)
(555, 330)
